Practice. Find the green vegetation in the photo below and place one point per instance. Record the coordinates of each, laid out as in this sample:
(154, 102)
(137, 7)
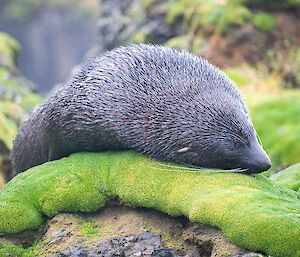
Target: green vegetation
(12, 85)
(16, 96)
(139, 37)
(285, 65)
(214, 28)
(15, 250)
(276, 123)
(293, 2)
(16, 86)
(208, 14)
(10, 114)
(225, 253)
(253, 212)
(218, 14)
(263, 21)
(289, 177)
(88, 228)
(21, 11)
(9, 49)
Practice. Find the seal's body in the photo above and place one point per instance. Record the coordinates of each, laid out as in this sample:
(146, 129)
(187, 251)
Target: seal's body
(169, 105)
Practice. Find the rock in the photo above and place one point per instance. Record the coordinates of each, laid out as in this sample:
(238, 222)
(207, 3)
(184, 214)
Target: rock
(127, 231)
(124, 21)
(144, 244)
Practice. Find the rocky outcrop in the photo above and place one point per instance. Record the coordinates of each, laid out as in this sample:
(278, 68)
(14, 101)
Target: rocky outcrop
(226, 33)
(117, 230)
(123, 22)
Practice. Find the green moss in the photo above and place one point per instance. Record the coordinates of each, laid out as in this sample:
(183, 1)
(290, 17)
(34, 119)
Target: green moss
(208, 14)
(276, 124)
(234, 13)
(17, 86)
(225, 253)
(289, 177)
(293, 2)
(15, 250)
(8, 126)
(169, 241)
(263, 21)
(253, 212)
(148, 3)
(88, 228)
(31, 100)
(237, 78)
(181, 42)
(7, 80)
(9, 49)
(14, 87)
(139, 37)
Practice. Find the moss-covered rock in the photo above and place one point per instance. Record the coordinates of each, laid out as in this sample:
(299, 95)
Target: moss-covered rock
(289, 177)
(253, 212)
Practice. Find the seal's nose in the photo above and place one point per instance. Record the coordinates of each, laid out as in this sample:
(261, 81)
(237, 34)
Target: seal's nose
(259, 160)
(258, 167)
(264, 165)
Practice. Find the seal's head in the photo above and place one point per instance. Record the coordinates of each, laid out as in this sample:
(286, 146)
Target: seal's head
(221, 135)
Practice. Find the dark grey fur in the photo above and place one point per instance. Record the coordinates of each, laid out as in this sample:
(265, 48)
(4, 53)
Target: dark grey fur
(152, 99)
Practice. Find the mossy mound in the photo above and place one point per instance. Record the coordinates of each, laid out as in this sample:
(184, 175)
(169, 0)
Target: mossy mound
(253, 212)
(289, 177)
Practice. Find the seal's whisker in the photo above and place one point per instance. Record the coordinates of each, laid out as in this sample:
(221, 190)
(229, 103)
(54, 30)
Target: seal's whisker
(220, 171)
(179, 167)
(156, 168)
(200, 170)
(191, 165)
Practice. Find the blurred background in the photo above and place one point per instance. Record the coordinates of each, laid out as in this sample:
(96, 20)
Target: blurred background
(256, 42)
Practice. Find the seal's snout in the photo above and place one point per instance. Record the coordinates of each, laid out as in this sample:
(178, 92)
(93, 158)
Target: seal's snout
(263, 164)
(259, 161)
(267, 165)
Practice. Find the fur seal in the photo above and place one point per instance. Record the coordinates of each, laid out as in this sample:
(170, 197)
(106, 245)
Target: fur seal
(168, 104)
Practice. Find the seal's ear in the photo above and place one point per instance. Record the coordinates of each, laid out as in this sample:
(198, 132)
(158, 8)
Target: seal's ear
(183, 150)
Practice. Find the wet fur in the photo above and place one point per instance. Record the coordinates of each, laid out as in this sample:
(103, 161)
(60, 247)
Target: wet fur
(169, 105)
